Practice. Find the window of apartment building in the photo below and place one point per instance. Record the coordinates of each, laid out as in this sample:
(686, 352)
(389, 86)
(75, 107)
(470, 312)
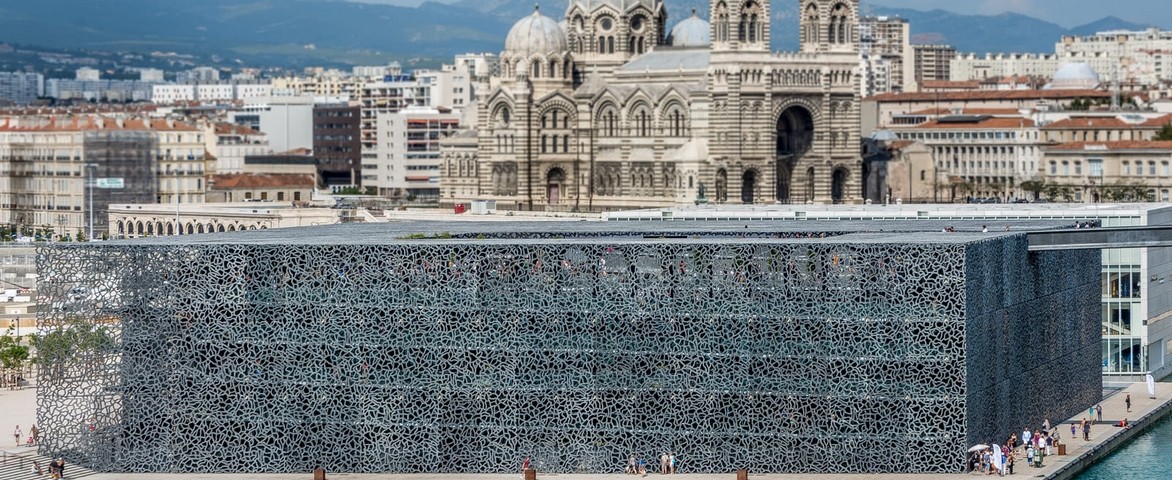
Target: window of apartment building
(1126, 168)
(1164, 195)
(248, 195)
(264, 195)
(1053, 168)
(296, 196)
(280, 196)
(1151, 168)
(1066, 168)
(1164, 168)
(1078, 168)
(1095, 167)
(1139, 168)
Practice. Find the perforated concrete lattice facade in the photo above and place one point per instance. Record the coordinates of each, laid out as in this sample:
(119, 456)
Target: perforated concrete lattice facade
(358, 349)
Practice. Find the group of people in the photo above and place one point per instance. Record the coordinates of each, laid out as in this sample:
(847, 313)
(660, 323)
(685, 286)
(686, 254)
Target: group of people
(667, 465)
(999, 459)
(34, 436)
(56, 468)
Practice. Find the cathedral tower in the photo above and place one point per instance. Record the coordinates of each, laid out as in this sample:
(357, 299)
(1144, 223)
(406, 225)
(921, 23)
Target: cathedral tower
(740, 25)
(829, 26)
(608, 33)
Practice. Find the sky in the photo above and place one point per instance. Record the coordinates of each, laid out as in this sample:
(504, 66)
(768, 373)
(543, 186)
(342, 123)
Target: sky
(1067, 13)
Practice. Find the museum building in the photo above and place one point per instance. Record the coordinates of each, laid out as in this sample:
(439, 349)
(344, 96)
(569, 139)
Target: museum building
(783, 347)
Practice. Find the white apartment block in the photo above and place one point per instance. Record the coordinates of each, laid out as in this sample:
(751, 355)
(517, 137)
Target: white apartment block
(888, 57)
(971, 66)
(286, 120)
(167, 94)
(407, 159)
(1126, 56)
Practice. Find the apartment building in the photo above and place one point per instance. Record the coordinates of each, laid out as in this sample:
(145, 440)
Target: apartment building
(46, 162)
(21, 88)
(933, 62)
(1105, 171)
(971, 66)
(888, 58)
(407, 161)
(337, 144)
(1121, 55)
(228, 145)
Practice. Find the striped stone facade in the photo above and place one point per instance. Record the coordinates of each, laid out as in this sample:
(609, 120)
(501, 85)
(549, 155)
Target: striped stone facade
(574, 123)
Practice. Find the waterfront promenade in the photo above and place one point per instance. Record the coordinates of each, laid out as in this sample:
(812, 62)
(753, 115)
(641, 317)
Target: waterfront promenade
(18, 407)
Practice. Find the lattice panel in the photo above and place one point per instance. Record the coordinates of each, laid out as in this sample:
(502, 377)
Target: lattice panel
(465, 356)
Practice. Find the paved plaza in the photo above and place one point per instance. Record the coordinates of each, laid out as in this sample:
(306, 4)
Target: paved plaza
(19, 407)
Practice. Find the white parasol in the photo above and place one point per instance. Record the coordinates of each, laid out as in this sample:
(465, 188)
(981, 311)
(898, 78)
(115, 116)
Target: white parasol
(978, 447)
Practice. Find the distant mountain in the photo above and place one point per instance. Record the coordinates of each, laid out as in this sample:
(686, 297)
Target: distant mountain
(1107, 24)
(297, 33)
(289, 32)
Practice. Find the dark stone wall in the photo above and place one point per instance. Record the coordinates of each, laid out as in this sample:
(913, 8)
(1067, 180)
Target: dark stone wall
(1032, 336)
(774, 355)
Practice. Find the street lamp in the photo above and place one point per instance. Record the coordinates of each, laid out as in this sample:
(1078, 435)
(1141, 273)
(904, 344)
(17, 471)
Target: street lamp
(89, 182)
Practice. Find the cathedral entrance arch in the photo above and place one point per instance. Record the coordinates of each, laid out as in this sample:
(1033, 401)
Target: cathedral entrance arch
(795, 136)
(748, 186)
(838, 184)
(554, 180)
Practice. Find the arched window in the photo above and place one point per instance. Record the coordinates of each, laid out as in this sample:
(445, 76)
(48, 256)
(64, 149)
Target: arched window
(601, 44)
(536, 73)
(610, 44)
(810, 33)
(565, 144)
(721, 17)
(838, 24)
(641, 123)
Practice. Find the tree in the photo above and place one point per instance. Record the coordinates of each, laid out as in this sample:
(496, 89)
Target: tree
(80, 235)
(13, 354)
(74, 339)
(1165, 133)
(1033, 186)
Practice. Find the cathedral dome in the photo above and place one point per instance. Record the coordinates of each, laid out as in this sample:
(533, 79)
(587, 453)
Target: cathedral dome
(1075, 76)
(536, 34)
(691, 32)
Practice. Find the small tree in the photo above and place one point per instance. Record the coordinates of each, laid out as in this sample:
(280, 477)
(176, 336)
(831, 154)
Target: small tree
(1165, 133)
(80, 235)
(13, 354)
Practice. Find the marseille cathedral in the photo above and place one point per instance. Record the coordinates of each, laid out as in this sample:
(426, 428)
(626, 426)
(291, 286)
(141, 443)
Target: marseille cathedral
(613, 108)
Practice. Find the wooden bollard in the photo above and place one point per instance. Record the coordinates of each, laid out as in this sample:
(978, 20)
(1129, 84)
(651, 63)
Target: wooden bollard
(319, 473)
(530, 474)
(742, 474)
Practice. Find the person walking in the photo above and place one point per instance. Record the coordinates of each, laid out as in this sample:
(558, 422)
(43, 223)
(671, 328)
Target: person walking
(1099, 412)
(671, 463)
(663, 463)
(1025, 436)
(1086, 431)
(1127, 401)
(34, 434)
(17, 433)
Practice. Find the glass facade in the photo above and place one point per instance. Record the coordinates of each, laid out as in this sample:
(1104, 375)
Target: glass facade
(1124, 307)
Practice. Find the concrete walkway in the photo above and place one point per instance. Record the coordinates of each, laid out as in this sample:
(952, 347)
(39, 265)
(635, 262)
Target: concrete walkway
(19, 407)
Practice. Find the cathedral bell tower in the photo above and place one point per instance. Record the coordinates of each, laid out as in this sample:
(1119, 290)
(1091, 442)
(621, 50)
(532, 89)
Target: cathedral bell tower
(741, 25)
(830, 26)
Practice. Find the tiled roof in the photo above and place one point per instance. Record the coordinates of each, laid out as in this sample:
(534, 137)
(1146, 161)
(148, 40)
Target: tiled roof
(969, 111)
(967, 84)
(1108, 122)
(1110, 146)
(989, 95)
(261, 180)
(90, 122)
